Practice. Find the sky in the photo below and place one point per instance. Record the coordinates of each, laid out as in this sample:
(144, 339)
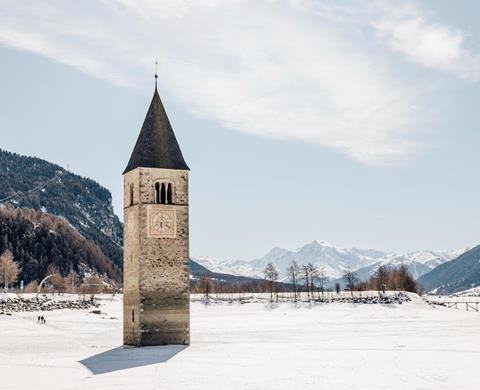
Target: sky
(353, 122)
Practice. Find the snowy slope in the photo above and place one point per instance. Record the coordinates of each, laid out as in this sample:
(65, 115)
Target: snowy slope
(332, 258)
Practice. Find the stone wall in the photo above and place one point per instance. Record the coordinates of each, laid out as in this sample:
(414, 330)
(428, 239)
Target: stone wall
(156, 274)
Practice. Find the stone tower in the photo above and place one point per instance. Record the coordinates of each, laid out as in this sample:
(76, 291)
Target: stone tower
(156, 308)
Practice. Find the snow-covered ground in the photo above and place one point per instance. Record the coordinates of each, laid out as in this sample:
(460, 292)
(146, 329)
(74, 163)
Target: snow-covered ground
(249, 346)
(452, 298)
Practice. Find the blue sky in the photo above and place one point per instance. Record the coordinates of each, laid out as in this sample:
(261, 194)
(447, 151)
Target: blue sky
(354, 122)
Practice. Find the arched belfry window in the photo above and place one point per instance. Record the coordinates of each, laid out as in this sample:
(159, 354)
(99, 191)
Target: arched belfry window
(164, 193)
(157, 192)
(169, 194)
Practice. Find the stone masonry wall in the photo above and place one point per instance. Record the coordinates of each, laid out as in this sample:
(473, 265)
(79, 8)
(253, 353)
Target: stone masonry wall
(157, 268)
(131, 251)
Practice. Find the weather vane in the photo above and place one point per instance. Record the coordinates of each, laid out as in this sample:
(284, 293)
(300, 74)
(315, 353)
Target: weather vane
(156, 73)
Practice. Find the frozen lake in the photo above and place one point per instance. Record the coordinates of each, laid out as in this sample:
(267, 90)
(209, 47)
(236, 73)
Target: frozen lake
(249, 346)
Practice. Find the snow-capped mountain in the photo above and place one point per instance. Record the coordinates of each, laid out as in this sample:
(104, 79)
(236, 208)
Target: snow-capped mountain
(433, 259)
(418, 263)
(333, 259)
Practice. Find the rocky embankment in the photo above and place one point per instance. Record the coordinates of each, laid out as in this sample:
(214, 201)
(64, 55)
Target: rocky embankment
(11, 305)
(396, 298)
(389, 299)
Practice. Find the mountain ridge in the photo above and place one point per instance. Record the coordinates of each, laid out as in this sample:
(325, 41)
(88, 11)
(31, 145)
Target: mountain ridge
(333, 259)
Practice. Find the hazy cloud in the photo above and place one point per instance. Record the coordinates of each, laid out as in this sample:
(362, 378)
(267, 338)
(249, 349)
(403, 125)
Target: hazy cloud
(429, 44)
(285, 69)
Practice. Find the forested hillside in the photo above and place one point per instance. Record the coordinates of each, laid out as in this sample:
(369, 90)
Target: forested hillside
(460, 274)
(38, 184)
(38, 240)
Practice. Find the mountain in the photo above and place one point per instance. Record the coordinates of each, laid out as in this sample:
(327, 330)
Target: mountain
(418, 263)
(456, 275)
(34, 183)
(333, 259)
(197, 271)
(434, 259)
(38, 240)
(414, 268)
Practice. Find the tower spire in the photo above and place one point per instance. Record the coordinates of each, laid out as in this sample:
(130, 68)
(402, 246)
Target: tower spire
(156, 146)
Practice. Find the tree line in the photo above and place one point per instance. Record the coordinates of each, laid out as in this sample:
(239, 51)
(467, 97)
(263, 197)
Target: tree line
(314, 279)
(311, 280)
(57, 283)
(391, 278)
(39, 240)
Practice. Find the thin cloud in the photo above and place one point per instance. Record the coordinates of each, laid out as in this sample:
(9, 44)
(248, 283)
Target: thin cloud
(289, 70)
(429, 44)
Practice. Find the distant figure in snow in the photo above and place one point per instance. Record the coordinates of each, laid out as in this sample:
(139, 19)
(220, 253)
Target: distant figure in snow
(38, 319)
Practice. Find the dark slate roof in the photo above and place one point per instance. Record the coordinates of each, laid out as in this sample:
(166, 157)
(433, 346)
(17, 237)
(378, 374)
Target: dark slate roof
(156, 145)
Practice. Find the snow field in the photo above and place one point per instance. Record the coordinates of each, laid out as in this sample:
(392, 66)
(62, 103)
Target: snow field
(249, 346)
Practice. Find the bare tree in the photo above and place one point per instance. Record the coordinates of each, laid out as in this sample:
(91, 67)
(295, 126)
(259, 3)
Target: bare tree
(350, 278)
(9, 269)
(57, 280)
(92, 285)
(204, 285)
(113, 288)
(392, 278)
(308, 275)
(31, 287)
(404, 280)
(306, 278)
(313, 277)
(271, 275)
(293, 273)
(381, 278)
(322, 279)
(72, 280)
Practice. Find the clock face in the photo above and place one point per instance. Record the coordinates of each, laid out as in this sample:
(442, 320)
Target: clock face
(162, 223)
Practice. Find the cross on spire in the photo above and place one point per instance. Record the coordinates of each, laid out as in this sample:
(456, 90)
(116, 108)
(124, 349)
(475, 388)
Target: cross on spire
(156, 74)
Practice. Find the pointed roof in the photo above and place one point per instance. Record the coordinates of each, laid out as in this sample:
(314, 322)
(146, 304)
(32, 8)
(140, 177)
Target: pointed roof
(156, 146)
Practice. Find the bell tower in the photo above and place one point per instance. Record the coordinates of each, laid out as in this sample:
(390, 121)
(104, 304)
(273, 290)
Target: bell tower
(156, 296)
